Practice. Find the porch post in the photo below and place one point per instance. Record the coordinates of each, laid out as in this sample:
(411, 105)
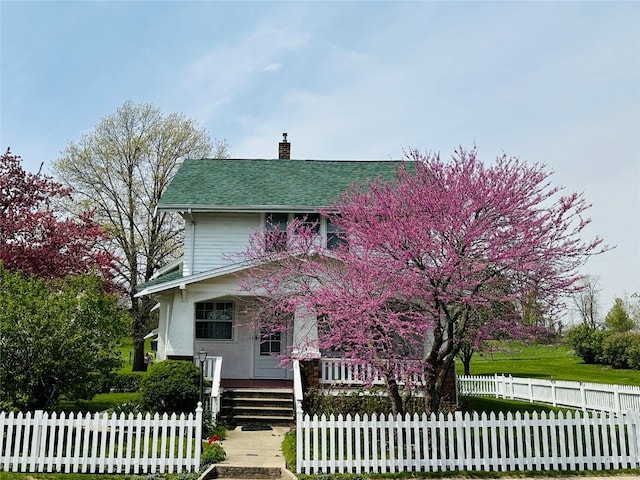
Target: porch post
(305, 335)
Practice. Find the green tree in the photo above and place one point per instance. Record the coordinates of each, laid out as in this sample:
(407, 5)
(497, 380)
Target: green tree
(121, 169)
(618, 319)
(59, 337)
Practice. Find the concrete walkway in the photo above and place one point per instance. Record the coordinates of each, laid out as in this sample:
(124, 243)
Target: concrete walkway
(261, 448)
(253, 454)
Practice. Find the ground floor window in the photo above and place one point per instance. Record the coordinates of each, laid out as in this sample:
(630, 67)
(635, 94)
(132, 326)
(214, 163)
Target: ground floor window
(270, 344)
(214, 320)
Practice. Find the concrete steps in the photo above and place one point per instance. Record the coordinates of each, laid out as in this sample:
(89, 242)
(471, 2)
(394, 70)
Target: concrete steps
(229, 472)
(257, 407)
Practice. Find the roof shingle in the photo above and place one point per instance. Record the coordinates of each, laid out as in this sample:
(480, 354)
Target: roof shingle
(242, 184)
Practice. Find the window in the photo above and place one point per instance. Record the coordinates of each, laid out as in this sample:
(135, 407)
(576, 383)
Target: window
(270, 344)
(335, 236)
(309, 220)
(276, 229)
(214, 320)
(276, 225)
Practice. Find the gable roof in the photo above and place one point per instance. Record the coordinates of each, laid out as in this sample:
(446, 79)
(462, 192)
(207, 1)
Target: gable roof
(267, 185)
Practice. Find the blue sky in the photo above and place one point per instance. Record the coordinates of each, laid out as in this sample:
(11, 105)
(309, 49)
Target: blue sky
(552, 82)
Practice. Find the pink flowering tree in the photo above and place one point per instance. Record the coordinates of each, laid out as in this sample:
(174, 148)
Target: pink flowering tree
(426, 259)
(37, 239)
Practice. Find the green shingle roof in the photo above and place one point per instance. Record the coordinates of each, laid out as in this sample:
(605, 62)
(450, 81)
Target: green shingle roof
(167, 277)
(241, 184)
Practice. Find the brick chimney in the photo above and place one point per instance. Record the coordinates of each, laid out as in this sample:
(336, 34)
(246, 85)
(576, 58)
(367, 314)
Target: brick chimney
(284, 148)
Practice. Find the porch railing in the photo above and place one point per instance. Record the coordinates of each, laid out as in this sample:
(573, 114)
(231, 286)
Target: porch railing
(340, 371)
(298, 392)
(212, 370)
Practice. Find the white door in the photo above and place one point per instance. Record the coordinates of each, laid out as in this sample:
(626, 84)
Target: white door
(267, 351)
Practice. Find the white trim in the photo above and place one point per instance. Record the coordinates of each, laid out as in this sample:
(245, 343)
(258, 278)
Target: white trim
(198, 277)
(182, 208)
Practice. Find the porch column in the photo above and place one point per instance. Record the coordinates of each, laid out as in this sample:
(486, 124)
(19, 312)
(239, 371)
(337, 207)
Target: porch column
(305, 335)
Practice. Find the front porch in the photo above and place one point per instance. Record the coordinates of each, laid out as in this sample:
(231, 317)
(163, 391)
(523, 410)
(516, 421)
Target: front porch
(324, 373)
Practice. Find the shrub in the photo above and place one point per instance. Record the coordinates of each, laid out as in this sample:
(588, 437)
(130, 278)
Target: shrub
(132, 406)
(615, 349)
(211, 453)
(622, 350)
(171, 386)
(587, 342)
(125, 382)
(372, 401)
(634, 352)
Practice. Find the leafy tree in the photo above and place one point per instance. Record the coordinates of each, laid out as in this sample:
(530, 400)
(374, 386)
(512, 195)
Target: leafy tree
(424, 253)
(121, 169)
(586, 301)
(36, 239)
(632, 306)
(618, 319)
(59, 337)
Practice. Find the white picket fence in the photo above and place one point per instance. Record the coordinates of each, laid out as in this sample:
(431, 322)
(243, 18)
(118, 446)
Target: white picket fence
(458, 442)
(581, 395)
(100, 443)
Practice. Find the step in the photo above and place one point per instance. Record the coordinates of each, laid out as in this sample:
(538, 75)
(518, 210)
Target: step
(254, 400)
(241, 473)
(260, 406)
(252, 392)
(262, 410)
(228, 471)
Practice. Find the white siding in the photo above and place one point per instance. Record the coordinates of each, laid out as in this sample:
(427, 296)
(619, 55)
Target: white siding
(219, 237)
(177, 327)
(180, 327)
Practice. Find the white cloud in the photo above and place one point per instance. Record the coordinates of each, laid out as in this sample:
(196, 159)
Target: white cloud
(273, 68)
(221, 74)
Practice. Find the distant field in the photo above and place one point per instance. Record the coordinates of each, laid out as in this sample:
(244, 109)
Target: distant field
(546, 362)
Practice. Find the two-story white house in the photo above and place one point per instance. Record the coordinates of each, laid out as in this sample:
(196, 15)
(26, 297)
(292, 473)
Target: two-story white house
(222, 202)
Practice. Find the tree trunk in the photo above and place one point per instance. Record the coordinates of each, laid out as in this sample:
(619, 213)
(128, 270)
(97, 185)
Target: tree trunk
(466, 362)
(141, 314)
(397, 405)
(138, 355)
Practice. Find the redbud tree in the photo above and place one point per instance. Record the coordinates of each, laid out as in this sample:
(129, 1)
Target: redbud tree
(423, 254)
(37, 239)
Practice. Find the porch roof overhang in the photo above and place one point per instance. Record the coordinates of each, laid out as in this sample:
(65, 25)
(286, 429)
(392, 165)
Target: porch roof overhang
(182, 282)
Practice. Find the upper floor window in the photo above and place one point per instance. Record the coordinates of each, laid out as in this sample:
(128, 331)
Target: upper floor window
(309, 220)
(276, 229)
(276, 226)
(335, 236)
(214, 320)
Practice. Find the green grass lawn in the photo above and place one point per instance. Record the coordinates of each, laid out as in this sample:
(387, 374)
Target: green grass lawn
(547, 362)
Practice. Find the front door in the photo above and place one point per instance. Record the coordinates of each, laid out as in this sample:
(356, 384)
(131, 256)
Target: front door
(267, 351)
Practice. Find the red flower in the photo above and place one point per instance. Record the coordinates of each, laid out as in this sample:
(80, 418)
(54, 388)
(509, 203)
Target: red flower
(214, 439)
